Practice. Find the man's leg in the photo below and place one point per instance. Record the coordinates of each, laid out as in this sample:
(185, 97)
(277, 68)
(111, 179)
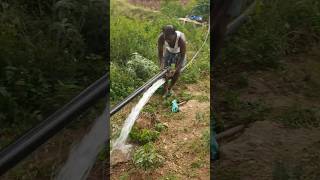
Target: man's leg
(166, 62)
(179, 64)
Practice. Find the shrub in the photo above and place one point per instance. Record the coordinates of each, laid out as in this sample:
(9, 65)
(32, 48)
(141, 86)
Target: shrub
(141, 67)
(160, 127)
(143, 136)
(146, 157)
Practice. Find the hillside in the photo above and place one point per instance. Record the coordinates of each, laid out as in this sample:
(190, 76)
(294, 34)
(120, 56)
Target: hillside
(183, 141)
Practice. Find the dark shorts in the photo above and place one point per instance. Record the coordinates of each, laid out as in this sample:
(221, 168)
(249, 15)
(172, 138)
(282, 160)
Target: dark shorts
(173, 58)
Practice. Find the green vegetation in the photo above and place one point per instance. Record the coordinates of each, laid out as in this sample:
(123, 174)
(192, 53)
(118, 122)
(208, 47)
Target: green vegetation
(160, 127)
(170, 176)
(134, 59)
(297, 116)
(125, 176)
(201, 147)
(146, 157)
(49, 53)
(239, 111)
(143, 136)
(259, 45)
(131, 34)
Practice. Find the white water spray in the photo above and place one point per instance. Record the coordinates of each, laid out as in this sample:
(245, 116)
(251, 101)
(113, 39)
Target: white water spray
(83, 156)
(129, 122)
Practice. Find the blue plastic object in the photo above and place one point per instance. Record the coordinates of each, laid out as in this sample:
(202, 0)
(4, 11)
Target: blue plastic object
(197, 18)
(175, 106)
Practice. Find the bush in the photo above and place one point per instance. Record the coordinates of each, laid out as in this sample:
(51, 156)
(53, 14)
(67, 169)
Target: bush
(45, 58)
(122, 83)
(143, 136)
(146, 157)
(141, 67)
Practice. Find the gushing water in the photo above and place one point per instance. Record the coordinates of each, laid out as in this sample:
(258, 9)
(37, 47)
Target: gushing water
(119, 143)
(83, 156)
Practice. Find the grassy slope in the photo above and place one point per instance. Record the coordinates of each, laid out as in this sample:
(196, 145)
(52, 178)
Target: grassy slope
(187, 133)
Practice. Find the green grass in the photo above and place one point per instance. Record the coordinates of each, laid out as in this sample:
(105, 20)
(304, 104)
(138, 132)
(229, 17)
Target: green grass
(143, 37)
(202, 98)
(197, 164)
(170, 176)
(238, 111)
(200, 117)
(124, 176)
(297, 117)
(185, 96)
(200, 148)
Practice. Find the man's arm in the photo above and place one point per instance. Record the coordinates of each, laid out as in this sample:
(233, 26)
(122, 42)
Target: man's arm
(160, 50)
(183, 49)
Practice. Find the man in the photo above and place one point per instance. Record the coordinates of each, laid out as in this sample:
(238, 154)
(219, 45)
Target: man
(171, 51)
(223, 11)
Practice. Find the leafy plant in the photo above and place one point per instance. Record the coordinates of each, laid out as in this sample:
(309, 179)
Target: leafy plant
(141, 67)
(160, 127)
(146, 157)
(143, 136)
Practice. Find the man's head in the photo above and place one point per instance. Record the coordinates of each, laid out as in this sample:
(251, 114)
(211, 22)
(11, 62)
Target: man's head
(169, 32)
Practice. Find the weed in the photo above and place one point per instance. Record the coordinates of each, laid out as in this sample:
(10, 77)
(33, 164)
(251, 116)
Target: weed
(202, 98)
(150, 108)
(146, 157)
(124, 176)
(160, 127)
(143, 136)
(297, 117)
(201, 147)
(196, 164)
(237, 110)
(200, 117)
(170, 176)
(185, 96)
(205, 138)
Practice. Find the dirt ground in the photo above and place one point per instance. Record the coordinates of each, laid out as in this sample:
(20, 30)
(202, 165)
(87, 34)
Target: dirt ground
(269, 148)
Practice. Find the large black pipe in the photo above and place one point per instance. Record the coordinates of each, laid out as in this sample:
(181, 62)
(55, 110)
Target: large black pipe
(15, 152)
(137, 92)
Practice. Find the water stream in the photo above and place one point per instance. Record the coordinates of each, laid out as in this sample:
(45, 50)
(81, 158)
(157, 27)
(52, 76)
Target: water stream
(119, 143)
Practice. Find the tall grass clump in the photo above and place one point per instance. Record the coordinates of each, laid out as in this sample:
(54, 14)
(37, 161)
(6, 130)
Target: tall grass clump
(275, 29)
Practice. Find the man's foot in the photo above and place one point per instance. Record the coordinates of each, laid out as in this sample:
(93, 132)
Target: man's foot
(168, 94)
(165, 93)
